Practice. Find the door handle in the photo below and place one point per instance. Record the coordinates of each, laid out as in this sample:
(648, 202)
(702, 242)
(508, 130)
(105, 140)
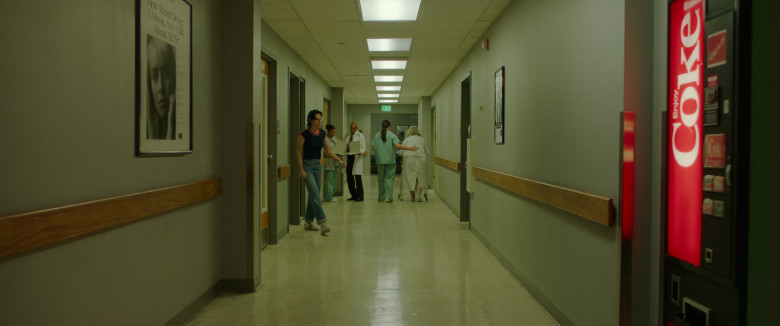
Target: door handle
(270, 157)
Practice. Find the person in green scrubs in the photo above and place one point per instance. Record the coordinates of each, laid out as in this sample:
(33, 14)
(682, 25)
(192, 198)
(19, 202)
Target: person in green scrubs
(384, 144)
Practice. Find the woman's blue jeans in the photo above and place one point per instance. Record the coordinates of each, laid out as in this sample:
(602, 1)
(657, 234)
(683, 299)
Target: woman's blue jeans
(313, 169)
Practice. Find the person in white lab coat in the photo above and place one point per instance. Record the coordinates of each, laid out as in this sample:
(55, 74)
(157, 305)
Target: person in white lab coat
(414, 166)
(355, 162)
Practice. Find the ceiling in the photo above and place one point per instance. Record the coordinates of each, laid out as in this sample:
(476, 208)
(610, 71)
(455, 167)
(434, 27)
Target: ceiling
(330, 36)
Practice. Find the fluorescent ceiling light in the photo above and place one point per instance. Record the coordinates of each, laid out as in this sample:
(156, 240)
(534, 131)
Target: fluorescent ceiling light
(389, 10)
(388, 79)
(389, 44)
(388, 88)
(388, 95)
(388, 64)
(388, 101)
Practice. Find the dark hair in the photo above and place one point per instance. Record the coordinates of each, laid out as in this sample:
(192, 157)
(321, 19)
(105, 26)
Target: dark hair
(312, 115)
(329, 127)
(385, 124)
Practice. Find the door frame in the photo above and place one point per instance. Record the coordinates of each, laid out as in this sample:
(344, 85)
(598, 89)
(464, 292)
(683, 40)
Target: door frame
(297, 108)
(465, 123)
(270, 133)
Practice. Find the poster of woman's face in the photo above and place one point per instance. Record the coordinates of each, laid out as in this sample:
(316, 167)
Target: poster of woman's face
(161, 77)
(164, 78)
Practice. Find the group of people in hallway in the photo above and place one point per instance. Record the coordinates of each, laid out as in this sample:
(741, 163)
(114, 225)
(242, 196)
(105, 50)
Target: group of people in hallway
(384, 145)
(313, 142)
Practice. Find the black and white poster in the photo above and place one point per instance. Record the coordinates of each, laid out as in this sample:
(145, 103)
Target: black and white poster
(163, 74)
(498, 108)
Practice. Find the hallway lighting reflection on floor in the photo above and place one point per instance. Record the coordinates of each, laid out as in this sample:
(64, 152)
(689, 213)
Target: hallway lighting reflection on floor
(404, 263)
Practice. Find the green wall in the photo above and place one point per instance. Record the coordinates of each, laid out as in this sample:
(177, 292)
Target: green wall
(67, 84)
(564, 94)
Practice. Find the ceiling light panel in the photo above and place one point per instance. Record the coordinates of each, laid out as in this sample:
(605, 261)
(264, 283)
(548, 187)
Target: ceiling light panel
(389, 44)
(388, 88)
(380, 95)
(388, 101)
(388, 64)
(389, 10)
(388, 79)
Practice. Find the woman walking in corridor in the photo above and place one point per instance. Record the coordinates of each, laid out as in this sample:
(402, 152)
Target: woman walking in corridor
(310, 143)
(384, 145)
(414, 167)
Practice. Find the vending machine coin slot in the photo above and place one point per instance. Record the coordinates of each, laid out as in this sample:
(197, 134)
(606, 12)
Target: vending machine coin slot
(708, 255)
(675, 291)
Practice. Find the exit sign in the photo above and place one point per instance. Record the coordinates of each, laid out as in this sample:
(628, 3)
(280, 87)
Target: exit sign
(387, 108)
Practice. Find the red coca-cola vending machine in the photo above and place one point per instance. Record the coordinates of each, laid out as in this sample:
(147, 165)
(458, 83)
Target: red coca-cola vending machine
(706, 163)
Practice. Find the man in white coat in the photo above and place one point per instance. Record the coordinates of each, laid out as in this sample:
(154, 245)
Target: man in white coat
(355, 162)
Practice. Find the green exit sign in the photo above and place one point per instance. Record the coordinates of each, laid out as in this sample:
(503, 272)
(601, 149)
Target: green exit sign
(387, 108)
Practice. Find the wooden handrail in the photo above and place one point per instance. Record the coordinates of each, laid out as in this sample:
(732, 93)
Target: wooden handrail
(27, 231)
(285, 171)
(452, 165)
(593, 207)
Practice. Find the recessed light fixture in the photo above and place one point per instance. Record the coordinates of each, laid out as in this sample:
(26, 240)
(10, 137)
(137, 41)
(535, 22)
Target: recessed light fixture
(389, 10)
(389, 44)
(388, 95)
(388, 79)
(388, 64)
(388, 101)
(388, 88)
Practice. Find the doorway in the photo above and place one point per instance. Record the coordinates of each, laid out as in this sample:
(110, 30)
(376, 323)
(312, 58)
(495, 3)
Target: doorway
(433, 145)
(465, 135)
(297, 123)
(268, 149)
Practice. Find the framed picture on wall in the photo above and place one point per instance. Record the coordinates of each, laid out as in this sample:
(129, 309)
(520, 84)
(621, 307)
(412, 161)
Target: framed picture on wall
(163, 77)
(498, 110)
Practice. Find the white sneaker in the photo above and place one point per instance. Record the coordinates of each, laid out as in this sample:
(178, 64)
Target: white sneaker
(309, 227)
(334, 200)
(325, 228)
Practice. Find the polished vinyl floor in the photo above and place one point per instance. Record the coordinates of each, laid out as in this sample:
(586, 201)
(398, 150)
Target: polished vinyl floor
(402, 263)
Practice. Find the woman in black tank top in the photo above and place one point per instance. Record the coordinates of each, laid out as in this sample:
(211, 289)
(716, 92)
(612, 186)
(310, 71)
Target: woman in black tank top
(310, 143)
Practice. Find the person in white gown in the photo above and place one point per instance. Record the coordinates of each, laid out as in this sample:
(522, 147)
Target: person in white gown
(414, 166)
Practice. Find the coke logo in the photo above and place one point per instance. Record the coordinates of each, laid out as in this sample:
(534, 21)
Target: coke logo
(686, 112)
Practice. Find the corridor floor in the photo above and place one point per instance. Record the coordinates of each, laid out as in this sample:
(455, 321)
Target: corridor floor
(403, 263)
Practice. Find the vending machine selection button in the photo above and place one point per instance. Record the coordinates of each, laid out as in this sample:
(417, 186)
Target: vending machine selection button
(708, 255)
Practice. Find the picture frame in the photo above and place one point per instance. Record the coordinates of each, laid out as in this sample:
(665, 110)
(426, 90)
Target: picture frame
(498, 106)
(163, 71)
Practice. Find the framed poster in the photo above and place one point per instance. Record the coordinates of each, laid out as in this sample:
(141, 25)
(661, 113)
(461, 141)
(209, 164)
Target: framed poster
(498, 121)
(163, 77)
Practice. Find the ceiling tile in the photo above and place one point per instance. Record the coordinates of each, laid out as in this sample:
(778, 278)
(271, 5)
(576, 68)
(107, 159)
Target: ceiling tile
(455, 5)
(479, 28)
(450, 15)
(310, 5)
(275, 5)
(438, 43)
(300, 44)
(289, 29)
(469, 43)
(443, 29)
(329, 15)
(330, 36)
(268, 15)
